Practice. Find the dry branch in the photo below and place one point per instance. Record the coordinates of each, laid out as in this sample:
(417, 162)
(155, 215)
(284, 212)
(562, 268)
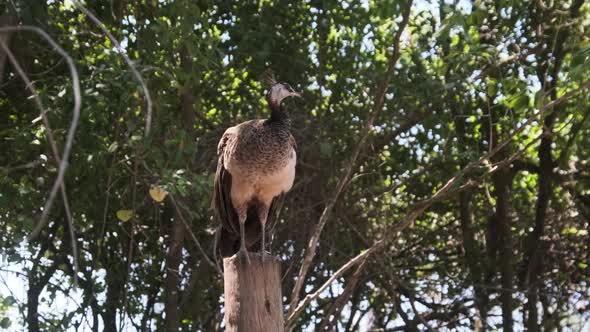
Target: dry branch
(194, 238)
(333, 313)
(451, 188)
(350, 168)
(63, 161)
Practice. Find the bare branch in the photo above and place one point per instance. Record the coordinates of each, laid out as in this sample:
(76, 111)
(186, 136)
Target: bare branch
(451, 188)
(136, 74)
(63, 163)
(29, 165)
(333, 314)
(563, 156)
(195, 240)
(350, 169)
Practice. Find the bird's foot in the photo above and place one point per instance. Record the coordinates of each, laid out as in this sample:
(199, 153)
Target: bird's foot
(244, 252)
(265, 255)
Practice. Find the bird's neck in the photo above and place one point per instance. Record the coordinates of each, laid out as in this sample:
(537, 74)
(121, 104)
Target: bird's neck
(278, 115)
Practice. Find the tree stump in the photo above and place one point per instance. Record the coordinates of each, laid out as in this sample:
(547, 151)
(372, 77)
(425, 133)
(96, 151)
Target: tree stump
(253, 300)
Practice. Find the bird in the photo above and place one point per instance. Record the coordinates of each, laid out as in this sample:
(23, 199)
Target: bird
(255, 169)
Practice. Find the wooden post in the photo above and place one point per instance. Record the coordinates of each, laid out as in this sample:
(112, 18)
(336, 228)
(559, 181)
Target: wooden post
(253, 300)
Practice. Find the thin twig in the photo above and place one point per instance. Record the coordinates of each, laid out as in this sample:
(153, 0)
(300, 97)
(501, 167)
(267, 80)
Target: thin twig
(333, 314)
(122, 51)
(350, 169)
(186, 225)
(195, 240)
(573, 134)
(29, 165)
(63, 163)
(75, 117)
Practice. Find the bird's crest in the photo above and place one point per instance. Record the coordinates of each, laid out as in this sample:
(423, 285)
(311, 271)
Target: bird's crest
(268, 77)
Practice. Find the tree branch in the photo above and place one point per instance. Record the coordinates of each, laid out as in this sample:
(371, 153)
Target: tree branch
(332, 316)
(194, 238)
(122, 51)
(563, 156)
(451, 188)
(63, 162)
(350, 169)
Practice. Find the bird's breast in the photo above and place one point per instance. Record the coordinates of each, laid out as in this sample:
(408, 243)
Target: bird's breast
(281, 180)
(262, 181)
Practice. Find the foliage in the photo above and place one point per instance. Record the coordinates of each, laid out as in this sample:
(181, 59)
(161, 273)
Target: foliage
(469, 74)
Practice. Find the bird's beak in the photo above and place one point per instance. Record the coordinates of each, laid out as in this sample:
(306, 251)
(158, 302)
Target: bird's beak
(296, 94)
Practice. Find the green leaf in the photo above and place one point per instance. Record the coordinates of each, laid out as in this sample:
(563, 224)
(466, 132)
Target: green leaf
(5, 323)
(492, 88)
(8, 301)
(113, 147)
(125, 215)
(569, 230)
(520, 102)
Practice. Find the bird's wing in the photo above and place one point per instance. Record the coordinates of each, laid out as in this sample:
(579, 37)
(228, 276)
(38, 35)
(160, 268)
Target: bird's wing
(221, 201)
(228, 136)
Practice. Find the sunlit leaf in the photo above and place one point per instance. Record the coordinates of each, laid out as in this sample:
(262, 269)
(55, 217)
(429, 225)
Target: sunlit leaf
(125, 215)
(158, 193)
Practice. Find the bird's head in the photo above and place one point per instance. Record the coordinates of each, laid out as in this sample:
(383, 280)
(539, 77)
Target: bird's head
(279, 91)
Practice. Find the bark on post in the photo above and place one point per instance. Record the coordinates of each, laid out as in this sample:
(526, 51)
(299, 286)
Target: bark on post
(253, 300)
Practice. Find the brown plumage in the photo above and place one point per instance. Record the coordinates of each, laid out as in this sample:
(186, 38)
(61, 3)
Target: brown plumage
(255, 167)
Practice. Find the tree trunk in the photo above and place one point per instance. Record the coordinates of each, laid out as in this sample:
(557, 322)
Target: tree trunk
(171, 286)
(253, 300)
(474, 260)
(535, 250)
(33, 308)
(500, 230)
(36, 286)
(115, 282)
(502, 183)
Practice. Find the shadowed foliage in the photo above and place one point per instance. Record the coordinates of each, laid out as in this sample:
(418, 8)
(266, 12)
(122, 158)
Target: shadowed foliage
(509, 250)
